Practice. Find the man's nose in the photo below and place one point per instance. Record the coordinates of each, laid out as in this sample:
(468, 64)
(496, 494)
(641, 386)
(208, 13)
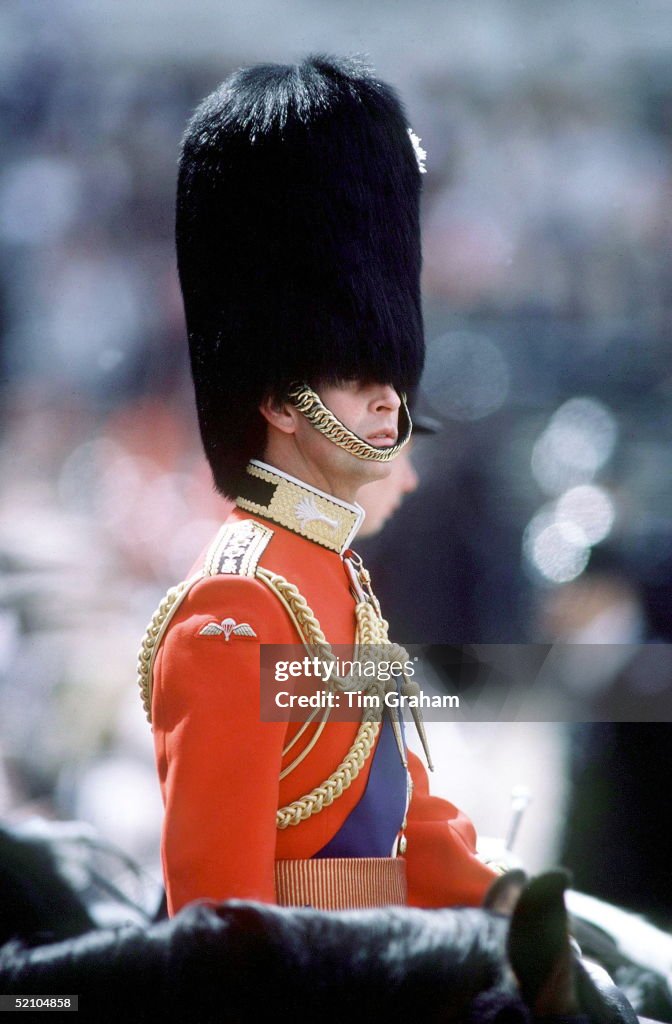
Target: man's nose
(386, 398)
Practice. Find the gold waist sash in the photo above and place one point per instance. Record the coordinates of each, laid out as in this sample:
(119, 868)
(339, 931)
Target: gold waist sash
(341, 883)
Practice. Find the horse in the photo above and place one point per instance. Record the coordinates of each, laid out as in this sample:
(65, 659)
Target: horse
(241, 961)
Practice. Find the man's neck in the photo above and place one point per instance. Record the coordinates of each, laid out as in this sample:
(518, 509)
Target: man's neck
(295, 465)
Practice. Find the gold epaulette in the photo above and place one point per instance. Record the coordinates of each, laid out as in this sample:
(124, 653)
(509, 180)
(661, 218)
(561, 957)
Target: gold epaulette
(235, 551)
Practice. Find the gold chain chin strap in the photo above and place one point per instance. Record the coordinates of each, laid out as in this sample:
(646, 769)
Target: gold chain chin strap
(370, 630)
(308, 402)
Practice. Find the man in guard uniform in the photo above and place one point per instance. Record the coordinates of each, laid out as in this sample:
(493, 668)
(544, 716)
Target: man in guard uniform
(299, 257)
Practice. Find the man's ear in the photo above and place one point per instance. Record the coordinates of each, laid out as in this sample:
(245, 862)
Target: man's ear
(279, 414)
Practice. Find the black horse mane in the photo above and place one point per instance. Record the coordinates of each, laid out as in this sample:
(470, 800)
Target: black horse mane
(241, 961)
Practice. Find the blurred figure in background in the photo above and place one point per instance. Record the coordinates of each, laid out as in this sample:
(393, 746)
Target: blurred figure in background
(381, 499)
(485, 762)
(616, 838)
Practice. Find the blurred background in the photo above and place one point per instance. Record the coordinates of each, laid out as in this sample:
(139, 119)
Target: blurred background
(543, 510)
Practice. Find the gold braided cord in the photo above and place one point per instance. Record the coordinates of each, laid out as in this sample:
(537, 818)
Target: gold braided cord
(297, 735)
(309, 404)
(307, 749)
(340, 780)
(304, 619)
(370, 628)
(153, 636)
(371, 632)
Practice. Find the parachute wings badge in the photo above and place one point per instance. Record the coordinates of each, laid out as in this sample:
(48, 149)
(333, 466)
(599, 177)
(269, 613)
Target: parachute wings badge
(227, 628)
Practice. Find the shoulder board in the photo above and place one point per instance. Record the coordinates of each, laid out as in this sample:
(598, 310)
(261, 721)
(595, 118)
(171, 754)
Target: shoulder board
(237, 549)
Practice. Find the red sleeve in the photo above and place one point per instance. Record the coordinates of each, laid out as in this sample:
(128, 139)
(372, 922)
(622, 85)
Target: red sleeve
(442, 867)
(219, 764)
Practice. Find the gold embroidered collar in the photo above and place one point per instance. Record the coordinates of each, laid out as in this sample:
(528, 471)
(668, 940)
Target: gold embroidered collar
(281, 498)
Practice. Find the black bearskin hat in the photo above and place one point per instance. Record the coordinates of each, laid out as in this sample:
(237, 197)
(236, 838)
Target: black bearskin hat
(298, 244)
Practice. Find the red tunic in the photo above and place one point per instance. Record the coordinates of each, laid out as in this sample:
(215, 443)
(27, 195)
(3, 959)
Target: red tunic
(219, 764)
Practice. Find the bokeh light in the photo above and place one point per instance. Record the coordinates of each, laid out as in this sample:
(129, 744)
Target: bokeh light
(577, 442)
(38, 200)
(590, 508)
(467, 377)
(557, 550)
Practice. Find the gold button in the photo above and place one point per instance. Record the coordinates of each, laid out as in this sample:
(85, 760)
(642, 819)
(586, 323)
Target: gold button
(402, 845)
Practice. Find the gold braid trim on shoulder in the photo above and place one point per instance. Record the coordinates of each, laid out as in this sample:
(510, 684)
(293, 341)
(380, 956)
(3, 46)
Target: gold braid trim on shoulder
(311, 634)
(235, 551)
(153, 636)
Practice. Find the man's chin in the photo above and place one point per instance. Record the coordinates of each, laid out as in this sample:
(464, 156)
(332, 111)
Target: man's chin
(371, 471)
